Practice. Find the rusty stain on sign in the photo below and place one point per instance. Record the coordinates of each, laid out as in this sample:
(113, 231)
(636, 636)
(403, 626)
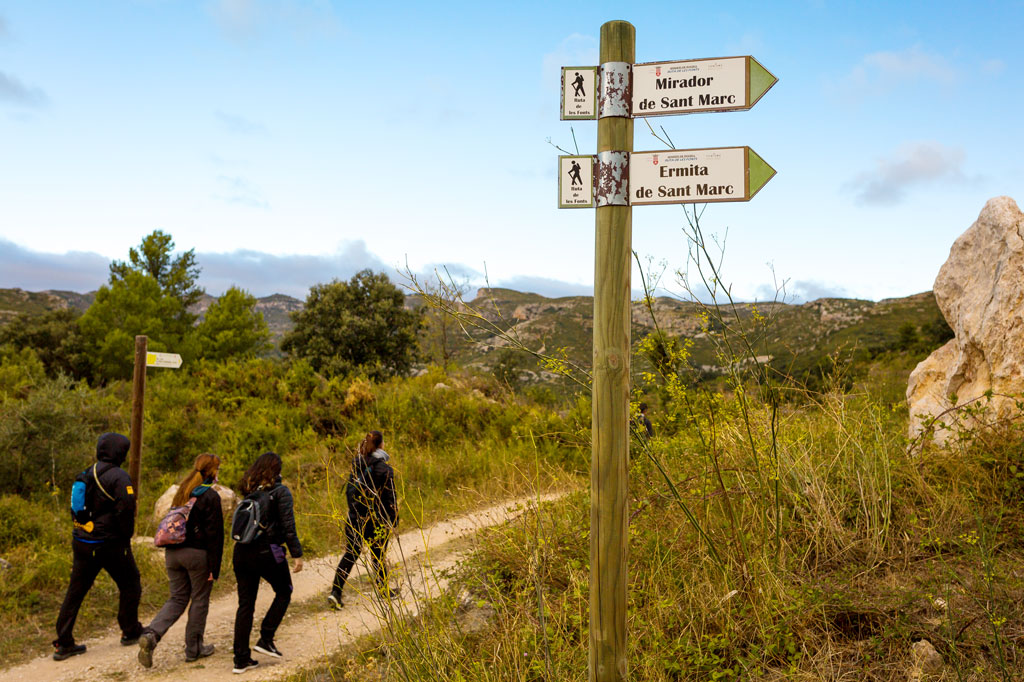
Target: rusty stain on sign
(612, 179)
(616, 90)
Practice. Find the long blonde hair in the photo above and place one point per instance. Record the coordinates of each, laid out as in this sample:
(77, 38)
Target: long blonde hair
(206, 466)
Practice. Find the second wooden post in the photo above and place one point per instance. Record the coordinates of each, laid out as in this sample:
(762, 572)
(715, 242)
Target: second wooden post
(138, 406)
(610, 456)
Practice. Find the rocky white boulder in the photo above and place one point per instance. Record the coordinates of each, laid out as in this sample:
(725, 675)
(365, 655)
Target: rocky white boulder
(228, 501)
(980, 291)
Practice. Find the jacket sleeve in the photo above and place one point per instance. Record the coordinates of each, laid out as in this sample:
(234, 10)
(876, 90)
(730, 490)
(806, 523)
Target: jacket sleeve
(213, 531)
(286, 517)
(124, 506)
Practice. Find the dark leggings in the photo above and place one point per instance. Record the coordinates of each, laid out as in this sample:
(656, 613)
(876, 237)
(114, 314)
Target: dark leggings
(376, 534)
(253, 562)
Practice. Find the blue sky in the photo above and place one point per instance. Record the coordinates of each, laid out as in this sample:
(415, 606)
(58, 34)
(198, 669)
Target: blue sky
(289, 141)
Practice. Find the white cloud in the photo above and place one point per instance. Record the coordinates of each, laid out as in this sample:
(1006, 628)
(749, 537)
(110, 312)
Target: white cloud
(575, 50)
(912, 164)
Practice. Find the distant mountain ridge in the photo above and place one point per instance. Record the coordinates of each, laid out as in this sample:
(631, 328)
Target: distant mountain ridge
(799, 337)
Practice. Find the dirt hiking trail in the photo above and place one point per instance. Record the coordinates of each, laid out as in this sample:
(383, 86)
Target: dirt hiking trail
(310, 632)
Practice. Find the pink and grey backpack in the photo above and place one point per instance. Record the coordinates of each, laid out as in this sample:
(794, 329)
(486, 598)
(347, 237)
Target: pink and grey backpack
(171, 530)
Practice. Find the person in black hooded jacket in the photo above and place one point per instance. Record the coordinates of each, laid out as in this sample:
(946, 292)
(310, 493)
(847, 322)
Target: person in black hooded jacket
(104, 543)
(372, 515)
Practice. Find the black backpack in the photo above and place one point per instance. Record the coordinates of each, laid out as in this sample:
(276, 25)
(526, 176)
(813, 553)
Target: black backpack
(83, 497)
(251, 518)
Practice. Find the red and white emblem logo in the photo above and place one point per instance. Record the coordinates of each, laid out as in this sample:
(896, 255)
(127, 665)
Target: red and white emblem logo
(657, 71)
(655, 159)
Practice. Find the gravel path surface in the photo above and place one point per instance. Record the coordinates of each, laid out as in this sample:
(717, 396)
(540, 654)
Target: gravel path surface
(310, 631)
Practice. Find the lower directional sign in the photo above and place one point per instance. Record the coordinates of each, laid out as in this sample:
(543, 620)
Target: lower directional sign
(696, 176)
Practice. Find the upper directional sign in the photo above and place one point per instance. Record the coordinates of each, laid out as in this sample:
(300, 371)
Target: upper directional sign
(696, 176)
(172, 360)
(698, 85)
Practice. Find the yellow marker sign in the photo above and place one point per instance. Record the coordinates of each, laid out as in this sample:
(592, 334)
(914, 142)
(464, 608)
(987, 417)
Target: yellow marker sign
(171, 360)
(130, 491)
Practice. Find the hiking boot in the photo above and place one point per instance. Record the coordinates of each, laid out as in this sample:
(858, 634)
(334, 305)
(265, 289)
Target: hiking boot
(268, 648)
(147, 642)
(129, 641)
(334, 601)
(62, 652)
(239, 669)
(204, 651)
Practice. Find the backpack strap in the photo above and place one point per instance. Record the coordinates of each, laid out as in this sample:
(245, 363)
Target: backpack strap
(96, 478)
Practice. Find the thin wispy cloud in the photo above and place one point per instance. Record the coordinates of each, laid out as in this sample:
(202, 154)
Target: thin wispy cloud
(912, 165)
(240, 125)
(14, 92)
(238, 190)
(575, 50)
(880, 73)
(246, 20)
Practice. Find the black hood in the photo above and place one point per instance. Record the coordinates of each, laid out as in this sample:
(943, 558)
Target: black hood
(113, 448)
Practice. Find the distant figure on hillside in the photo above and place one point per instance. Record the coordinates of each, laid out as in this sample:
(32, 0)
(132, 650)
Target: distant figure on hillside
(192, 564)
(263, 556)
(372, 515)
(642, 421)
(103, 511)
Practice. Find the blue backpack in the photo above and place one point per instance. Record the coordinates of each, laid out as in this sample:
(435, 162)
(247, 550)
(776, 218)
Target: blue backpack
(83, 497)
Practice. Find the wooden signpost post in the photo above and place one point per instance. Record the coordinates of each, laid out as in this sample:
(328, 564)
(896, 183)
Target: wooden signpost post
(613, 181)
(143, 359)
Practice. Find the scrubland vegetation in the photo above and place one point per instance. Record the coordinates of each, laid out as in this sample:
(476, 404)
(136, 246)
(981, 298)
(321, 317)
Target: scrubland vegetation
(778, 531)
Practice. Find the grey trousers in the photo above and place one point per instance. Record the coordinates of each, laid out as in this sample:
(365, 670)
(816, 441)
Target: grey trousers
(188, 573)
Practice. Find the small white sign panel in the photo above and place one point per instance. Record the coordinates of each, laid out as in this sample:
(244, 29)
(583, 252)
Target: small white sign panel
(171, 360)
(690, 86)
(688, 176)
(575, 181)
(579, 92)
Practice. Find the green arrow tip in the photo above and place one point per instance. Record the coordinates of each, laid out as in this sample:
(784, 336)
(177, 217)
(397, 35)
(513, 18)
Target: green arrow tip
(759, 173)
(761, 80)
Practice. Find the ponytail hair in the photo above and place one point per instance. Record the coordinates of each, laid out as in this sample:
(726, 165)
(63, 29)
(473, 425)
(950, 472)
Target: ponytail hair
(370, 442)
(205, 467)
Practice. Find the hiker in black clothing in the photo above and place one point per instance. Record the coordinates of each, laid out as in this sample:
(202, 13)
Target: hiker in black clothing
(192, 565)
(104, 494)
(643, 422)
(264, 558)
(372, 515)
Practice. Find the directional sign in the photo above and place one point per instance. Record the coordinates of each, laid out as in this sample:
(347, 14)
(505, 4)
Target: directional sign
(579, 92)
(172, 360)
(696, 176)
(575, 182)
(696, 85)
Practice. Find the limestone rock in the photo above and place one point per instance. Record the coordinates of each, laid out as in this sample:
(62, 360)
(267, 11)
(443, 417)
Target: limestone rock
(980, 291)
(228, 501)
(925, 660)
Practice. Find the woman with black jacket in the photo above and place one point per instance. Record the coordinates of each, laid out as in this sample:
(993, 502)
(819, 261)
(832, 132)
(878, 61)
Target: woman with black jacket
(372, 515)
(265, 558)
(192, 565)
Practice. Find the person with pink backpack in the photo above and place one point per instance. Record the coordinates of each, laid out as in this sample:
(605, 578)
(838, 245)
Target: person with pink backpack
(192, 534)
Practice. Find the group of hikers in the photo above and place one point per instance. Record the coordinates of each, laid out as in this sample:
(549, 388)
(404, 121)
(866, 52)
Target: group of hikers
(103, 506)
